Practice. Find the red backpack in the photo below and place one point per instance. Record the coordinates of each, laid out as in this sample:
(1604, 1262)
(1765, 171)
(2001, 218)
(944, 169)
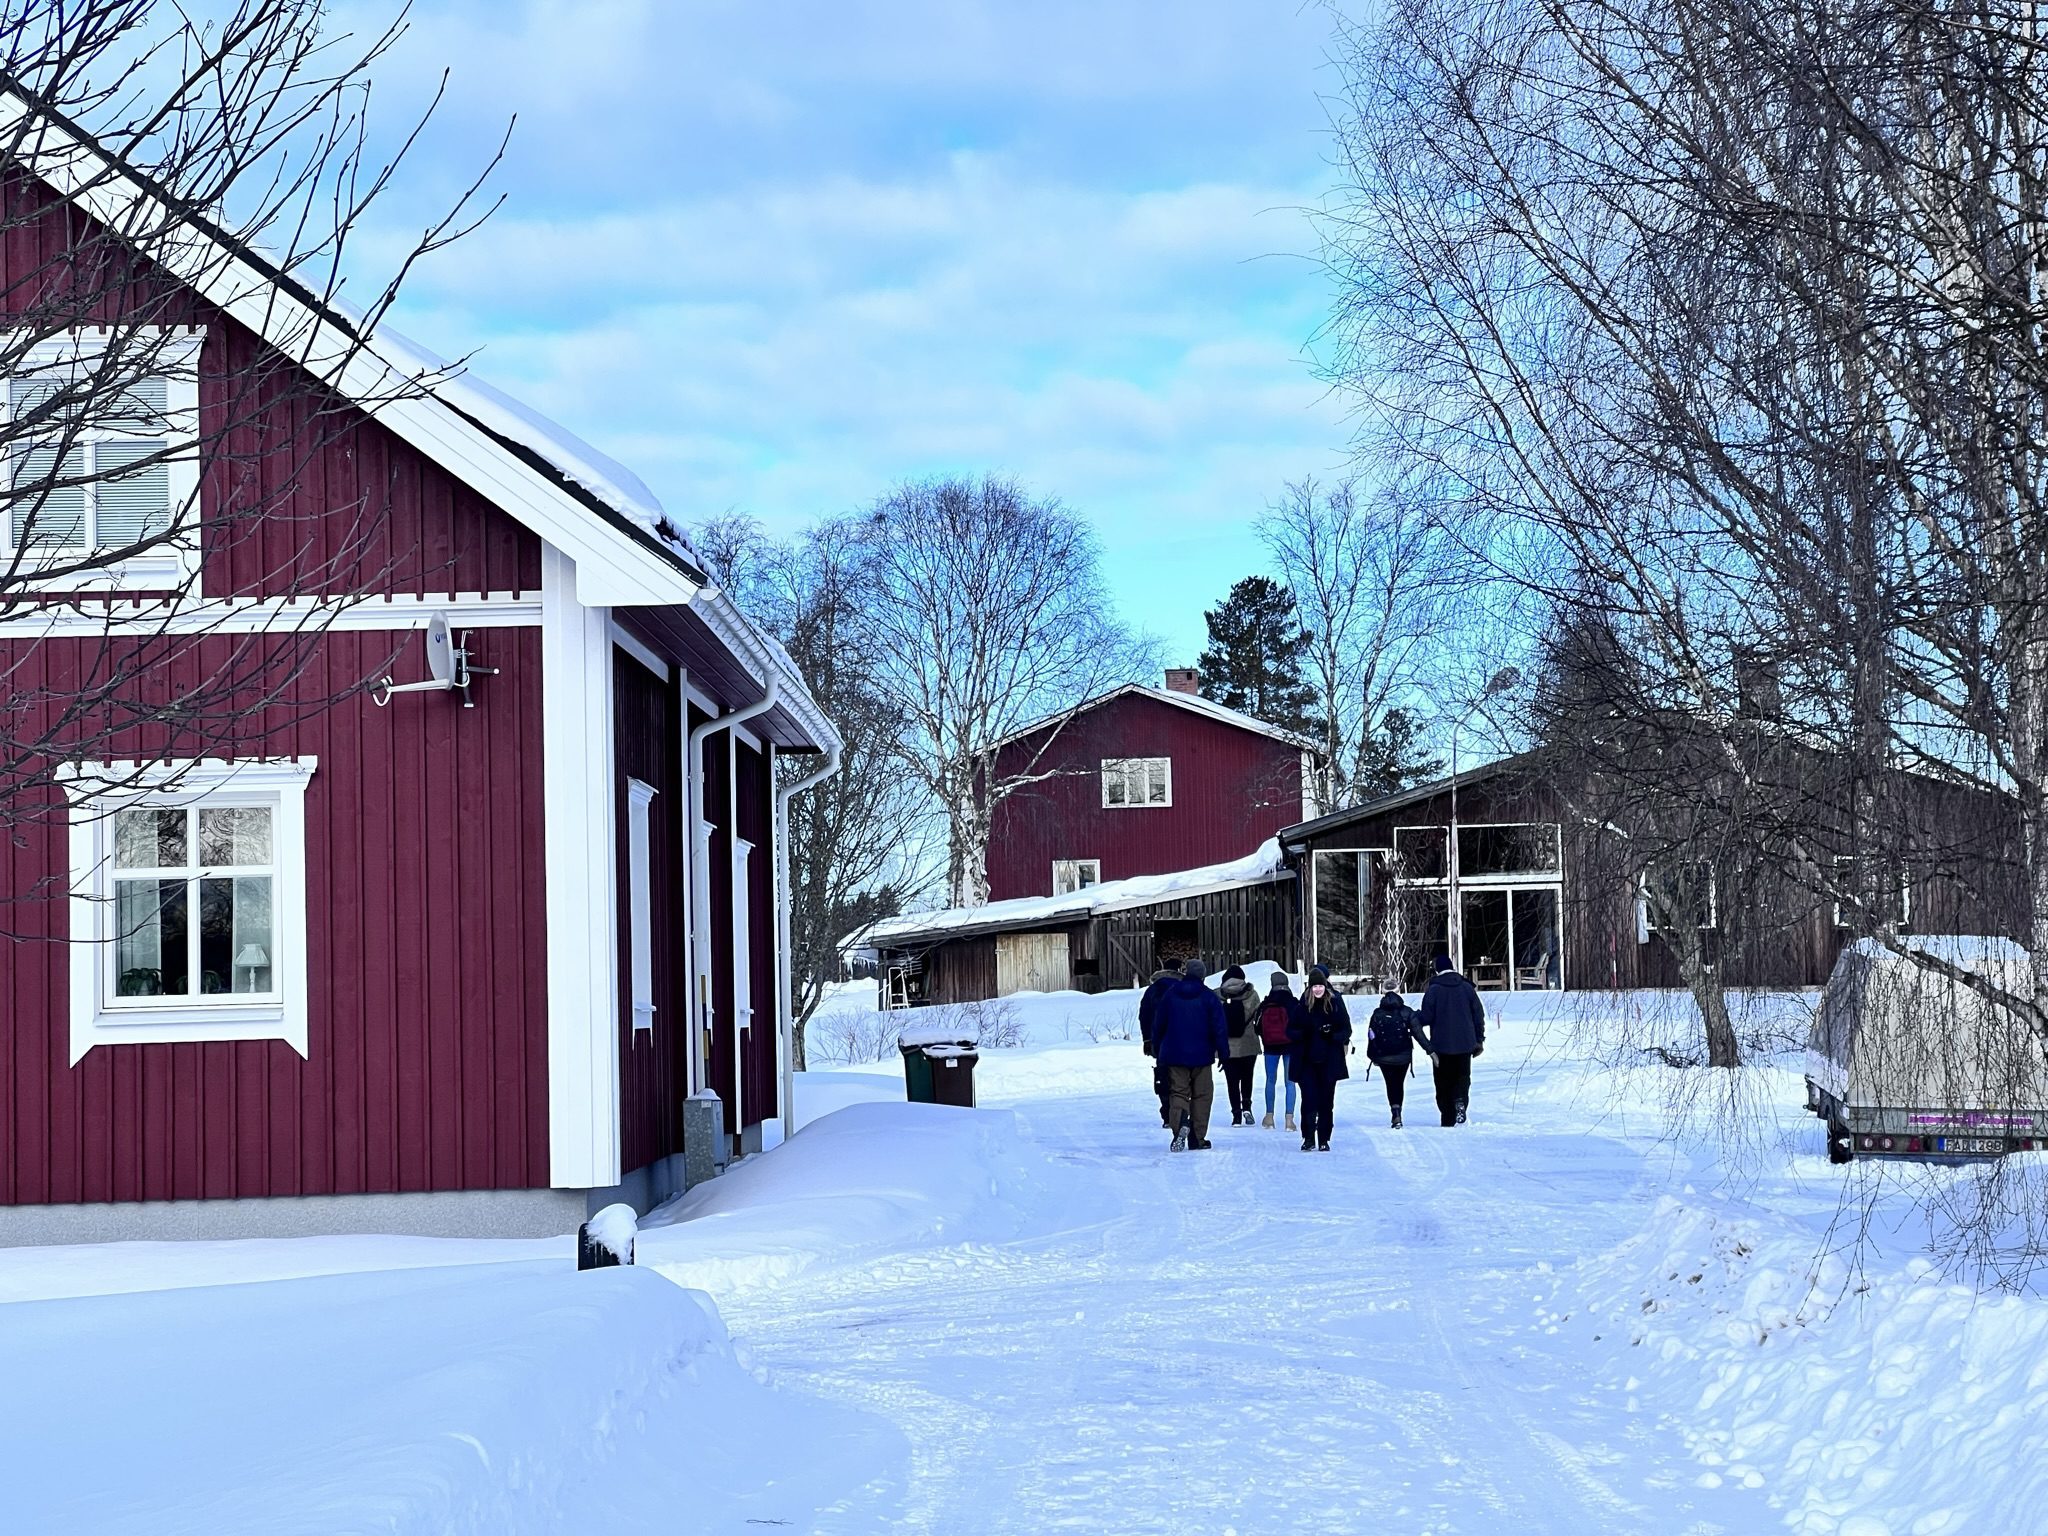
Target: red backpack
(1273, 1025)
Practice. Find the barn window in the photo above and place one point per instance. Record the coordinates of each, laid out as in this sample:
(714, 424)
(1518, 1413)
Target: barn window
(1676, 894)
(640, 901)
(1133, 783)
(102, 456)
(188, 902)
(1070, 875)
(1899, 911)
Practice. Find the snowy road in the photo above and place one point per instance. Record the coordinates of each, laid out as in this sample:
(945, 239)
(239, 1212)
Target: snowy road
(1260, 1340)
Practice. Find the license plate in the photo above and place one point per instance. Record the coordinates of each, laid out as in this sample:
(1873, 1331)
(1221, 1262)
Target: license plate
(1977, 1144)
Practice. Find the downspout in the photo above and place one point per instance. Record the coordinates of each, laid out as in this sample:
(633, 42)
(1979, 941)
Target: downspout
(700, 877)
(785, 1003)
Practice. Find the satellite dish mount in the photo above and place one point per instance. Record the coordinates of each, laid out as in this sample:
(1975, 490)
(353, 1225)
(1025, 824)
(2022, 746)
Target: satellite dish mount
(448, 666)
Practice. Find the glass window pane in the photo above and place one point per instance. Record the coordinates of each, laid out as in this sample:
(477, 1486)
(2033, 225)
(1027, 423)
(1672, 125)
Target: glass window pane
(43, 514)
(134, 498)
(1421, 852)
(150, 938)
(1528, 848)
(235, 948)
(234, 835)
(1538, 953)
(1155, 787)
(151, 838)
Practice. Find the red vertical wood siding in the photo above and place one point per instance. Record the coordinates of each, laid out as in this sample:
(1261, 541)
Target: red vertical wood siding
(717, 778)
(427, 1064)
(653, 1079)
(1232, 789)
(756, 826)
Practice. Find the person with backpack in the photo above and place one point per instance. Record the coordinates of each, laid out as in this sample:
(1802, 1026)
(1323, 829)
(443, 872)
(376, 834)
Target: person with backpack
(1241, 1018)
(1321, 1039)
(1189, 1031)
(1148, 1010)
(1453, 1032)
(1275, 1014)
(1390, 1038)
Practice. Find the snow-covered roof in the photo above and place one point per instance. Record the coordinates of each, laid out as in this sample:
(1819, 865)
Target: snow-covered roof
(1258, 868)
(627, 551)
(1188, 701)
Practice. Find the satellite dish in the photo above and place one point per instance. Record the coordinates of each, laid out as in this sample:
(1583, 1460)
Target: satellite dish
(440, 651)
(447, 666)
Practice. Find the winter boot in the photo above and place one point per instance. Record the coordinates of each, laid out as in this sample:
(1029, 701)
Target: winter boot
(1290, 1122)
(1180, 1135)
(1460, 1120)
(1308, 1144)
(1268, 1121)
(1397, 1117)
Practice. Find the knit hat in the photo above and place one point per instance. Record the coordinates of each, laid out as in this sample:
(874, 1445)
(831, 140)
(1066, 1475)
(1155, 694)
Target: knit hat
(1280, 983)
(1443, 963)
(1235, 973)
(1318, 973)
(1194, 970)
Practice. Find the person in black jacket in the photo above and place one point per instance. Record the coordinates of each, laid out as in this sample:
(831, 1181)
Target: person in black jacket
(1454, 1031)
(1391, 1036)
(1241, 1016)
(1320, 1036)
(1148, 1023)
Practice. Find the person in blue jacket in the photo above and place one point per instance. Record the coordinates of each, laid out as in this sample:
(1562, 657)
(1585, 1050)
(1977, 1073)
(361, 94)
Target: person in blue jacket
(1192, 1036)
(1320, 1037)
(1454, 1031)
(1148, 1010)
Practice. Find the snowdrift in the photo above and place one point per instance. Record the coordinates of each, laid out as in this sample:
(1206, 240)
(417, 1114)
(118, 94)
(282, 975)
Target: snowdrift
(501, 1399)
(869, 1179)
(1873, 1404)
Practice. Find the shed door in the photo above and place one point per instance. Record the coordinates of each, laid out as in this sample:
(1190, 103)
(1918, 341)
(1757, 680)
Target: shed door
(1031, 962)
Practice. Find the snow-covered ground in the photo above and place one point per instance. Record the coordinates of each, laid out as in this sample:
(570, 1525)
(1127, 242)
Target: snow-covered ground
(1594, 1309)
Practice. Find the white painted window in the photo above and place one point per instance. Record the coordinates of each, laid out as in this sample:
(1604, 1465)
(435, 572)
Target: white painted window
(1070, 875)
(95, 468)
(188, 902)
(1901, 914)
(1680, 893)
(742, 937)
(640, 901)
(1134, 783)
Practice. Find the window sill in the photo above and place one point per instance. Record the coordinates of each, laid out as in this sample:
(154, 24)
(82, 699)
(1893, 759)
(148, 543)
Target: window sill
(200, 1023)
(169, 570)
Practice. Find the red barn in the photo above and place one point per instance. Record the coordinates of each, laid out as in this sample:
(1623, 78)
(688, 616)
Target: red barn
(475, 960)
(1141, 781)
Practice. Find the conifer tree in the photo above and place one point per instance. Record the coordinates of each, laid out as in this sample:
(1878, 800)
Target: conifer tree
(1253, 662)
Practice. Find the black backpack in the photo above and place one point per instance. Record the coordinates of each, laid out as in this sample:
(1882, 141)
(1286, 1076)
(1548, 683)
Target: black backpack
(1387, 1037)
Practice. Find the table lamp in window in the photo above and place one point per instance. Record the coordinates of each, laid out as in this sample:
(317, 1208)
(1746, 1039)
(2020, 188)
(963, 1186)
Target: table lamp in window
(253, 959)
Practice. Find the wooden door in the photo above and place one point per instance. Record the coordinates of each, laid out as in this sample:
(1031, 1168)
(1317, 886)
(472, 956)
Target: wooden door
(1031, 962)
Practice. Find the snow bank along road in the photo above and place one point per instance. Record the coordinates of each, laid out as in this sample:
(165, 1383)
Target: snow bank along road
(1254, 1339)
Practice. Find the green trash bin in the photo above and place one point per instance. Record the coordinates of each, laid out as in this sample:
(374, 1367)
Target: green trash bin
(917, 1074)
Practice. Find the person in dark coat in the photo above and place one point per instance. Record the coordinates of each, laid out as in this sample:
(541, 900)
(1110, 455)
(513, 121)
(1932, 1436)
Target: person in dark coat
(1321, 1040)
(1191, 1036)
(1454, 1031)
(1275, 1014)
(1241, 1020)
(1148, 1012)
(1391, 1036)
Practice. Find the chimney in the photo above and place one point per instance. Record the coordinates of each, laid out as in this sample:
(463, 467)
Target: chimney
(1183, 680)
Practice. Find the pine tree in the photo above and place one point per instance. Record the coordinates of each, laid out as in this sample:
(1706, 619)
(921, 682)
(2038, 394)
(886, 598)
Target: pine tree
(1253, 663)
(1388, 760)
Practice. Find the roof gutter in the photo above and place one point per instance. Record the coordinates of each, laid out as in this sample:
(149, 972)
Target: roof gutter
(785, 1001)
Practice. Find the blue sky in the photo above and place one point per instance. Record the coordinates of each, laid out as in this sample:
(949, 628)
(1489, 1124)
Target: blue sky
(777, 258)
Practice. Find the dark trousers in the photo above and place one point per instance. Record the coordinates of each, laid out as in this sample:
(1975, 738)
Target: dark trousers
(1237, 1074)
(1161, 1087)
(1453, 1084)
(1318, 1103)
(1395, 1074)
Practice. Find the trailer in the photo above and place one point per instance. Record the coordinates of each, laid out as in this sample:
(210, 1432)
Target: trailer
(1909, 1059)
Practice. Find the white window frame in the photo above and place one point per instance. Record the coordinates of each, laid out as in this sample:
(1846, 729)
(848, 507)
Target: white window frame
(1848, 861)
(742, 940)
(1071, 869)
(640, 901)
(97, 1016)
(1645, 928)
(167, 564)
(1128, 773)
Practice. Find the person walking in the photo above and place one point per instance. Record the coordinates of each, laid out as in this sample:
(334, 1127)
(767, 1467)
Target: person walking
(1192, 1037)
(1148, 1024)
(1241, 1021)
(1321, 1037)
(1390, 1039)
(1453, 1032)
(1275, 1014)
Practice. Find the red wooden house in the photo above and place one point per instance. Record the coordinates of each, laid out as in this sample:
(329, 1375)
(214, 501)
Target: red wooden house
(1140, 781)
(473, 960)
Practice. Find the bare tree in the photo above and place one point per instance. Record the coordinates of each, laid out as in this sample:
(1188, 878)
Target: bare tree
(154, 447)
(1367, 578)
(987, 612)
(858, 840)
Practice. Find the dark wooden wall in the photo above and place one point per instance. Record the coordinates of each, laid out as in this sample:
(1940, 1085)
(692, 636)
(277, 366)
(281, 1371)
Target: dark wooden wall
(653, 1064)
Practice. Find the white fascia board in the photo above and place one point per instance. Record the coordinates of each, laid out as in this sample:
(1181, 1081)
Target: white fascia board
(580, 854)
(612, 567)
(189, 616)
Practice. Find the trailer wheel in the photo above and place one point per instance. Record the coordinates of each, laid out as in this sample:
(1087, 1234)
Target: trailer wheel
(1841, 1146)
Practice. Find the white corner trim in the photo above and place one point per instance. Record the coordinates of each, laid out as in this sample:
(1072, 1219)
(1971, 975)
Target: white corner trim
(581, 859)
(95, 792)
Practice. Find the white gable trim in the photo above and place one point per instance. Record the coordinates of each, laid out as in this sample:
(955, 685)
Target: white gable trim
(1207, 708)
